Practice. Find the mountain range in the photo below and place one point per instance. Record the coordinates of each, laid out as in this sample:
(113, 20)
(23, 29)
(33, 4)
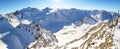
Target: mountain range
(32, 28)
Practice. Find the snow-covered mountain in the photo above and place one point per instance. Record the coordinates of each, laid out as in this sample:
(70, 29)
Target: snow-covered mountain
(49, 18)
(32, 28)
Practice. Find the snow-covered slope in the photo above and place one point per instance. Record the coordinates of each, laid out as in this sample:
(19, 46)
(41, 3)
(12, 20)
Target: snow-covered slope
(71, 32)
(32, 28)
(3, 45)
(116, 35)
(35, 33)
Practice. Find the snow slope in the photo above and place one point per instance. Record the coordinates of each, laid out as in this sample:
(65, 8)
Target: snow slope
(71, 32)
(116, 37)
(3, 45)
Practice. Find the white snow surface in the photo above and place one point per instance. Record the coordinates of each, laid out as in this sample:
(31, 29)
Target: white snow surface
(3, 45)
(71, 32)
(116, 36)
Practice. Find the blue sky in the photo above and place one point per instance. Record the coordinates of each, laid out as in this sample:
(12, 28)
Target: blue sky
(7, 6)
